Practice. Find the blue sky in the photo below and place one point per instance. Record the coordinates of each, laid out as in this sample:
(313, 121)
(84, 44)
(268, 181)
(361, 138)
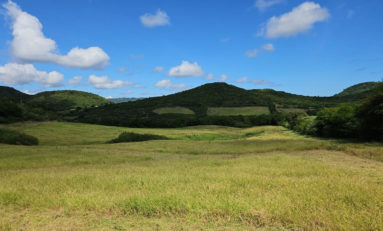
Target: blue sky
(142, 48)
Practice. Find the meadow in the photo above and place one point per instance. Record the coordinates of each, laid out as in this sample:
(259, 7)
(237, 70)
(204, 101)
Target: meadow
(201, 178)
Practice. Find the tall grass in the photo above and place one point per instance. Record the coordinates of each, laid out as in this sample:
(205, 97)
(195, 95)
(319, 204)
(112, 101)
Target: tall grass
(271, 180)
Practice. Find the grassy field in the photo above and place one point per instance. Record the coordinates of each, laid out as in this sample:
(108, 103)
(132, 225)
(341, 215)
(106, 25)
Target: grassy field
(228, 111)
(174, 110)
(203, 178)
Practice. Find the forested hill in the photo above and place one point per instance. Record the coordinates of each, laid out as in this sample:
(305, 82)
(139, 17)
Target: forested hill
(186, 107)
(17, 106)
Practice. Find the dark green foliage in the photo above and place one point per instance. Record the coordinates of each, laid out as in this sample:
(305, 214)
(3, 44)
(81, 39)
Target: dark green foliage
(13, 137)
(371, 115)
(135, 137)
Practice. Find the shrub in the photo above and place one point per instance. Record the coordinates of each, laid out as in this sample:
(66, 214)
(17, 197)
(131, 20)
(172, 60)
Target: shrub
(18, 138)
(135, 137)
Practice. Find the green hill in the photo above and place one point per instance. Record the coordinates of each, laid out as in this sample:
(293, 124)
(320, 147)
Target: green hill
(361, 89)
(18, 106)
(220, 96)
(12, 95)
(67, 100)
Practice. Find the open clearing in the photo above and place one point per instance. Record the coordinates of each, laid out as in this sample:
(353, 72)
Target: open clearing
(203, 178)
(232, 111)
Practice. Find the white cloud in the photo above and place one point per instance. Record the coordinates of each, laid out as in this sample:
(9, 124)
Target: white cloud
(153, 20)
(186, 69)
(104, 82)
(18, 74)
(158, 69)
(167, 84)
(299, 20)
(268, 47)
(244, 79)
(29, 44)
(75, 80)
(109, 97)
(223, 78)
(209, 77)
(264, 4)
(122, 69)
(252, 53)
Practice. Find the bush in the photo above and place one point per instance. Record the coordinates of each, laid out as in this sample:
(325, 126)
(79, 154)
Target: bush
(18, 138)
(135, 137)
(338, 122)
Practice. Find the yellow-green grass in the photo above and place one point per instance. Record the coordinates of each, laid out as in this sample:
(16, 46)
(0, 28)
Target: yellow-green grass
(232, 111)
(173, 110)
(273, 180)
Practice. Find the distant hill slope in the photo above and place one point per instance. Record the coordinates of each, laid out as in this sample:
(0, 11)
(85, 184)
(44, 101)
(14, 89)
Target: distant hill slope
(67, 99)
(358, 89)
(11, 94)
(199, 100)
(123, 100)
(17, 106)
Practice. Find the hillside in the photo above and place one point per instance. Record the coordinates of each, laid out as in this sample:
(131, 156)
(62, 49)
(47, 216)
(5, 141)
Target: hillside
(18, 106)
(11, 94)
(199, 100)
(361, 89)
(67, 99)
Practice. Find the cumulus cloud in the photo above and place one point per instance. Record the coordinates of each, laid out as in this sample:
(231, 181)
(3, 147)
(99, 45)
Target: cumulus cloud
(19, 74)
(158, 69)
(209, 77)
(29, 44)
(75, 80)
(104, 82)
(252, 53)
(167, 84)
(223, 78)
(299, 20)
(186, 69)
(268, 47)
(153, 20)
(262, 5)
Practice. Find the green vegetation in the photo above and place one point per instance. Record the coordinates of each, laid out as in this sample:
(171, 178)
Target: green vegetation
(135, 137)
(362, 121)
(230, 111)
(66, 100)
(14, 137)
(359, 89)
(173, 110)
(266, 178)
(233, 102)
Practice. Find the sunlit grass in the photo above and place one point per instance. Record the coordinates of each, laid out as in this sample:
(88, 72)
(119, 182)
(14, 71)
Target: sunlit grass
(273, 180)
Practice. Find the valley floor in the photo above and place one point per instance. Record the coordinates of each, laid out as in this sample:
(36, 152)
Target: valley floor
(203, 178)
